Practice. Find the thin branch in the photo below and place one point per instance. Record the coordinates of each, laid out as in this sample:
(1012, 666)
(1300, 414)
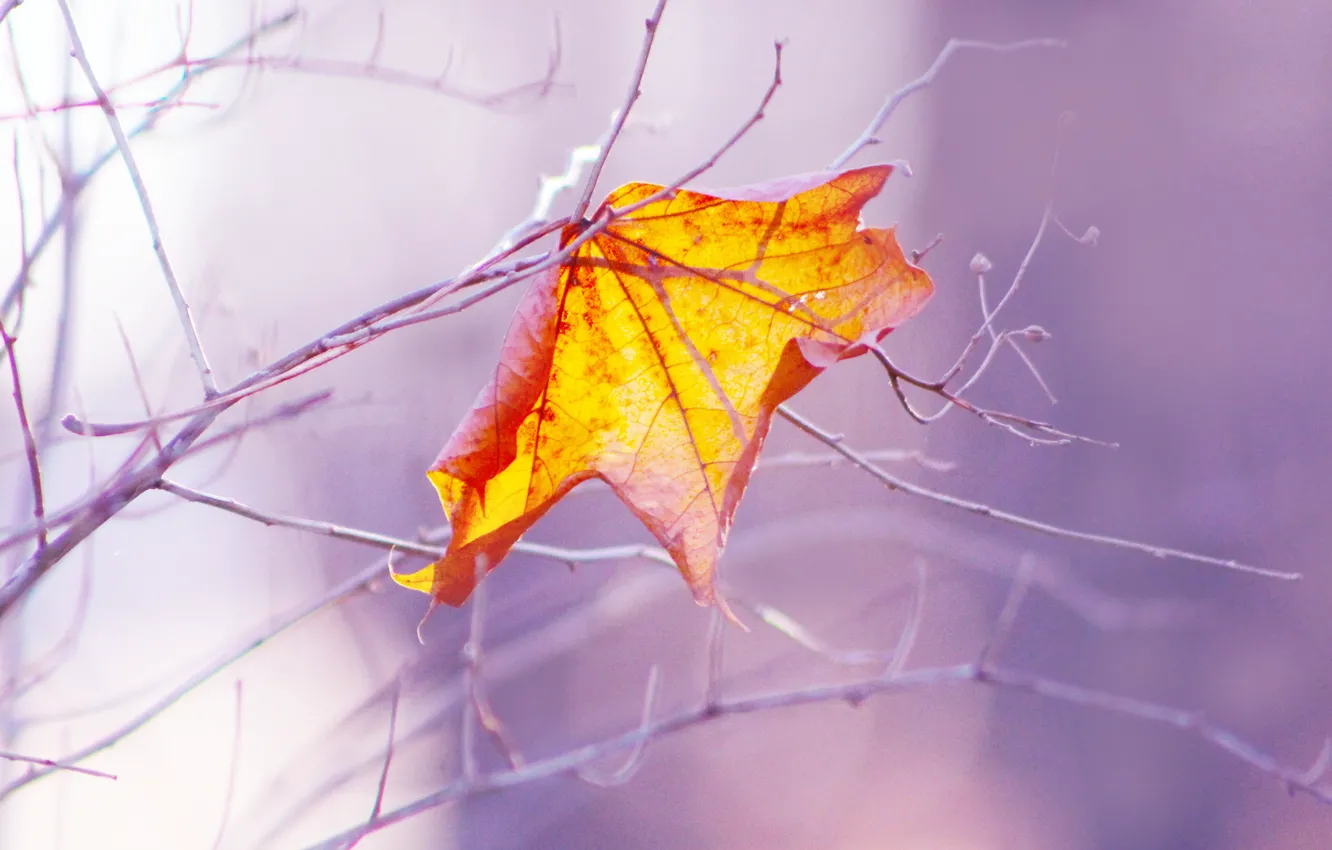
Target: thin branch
(707, 164)
(232, 771)
(99, 493)
(75, 184)
(532, 266)
(716, 655)
(356, 584)
(1017, 594)
(1318, 769)
(131, 483)
(374, 72)
(790, 628)
(388, 760)
(373, 573)
(136, 178)
(478, 710)
(617, 121)
(29, 443)
(328, 529)
(7, 6)
(70, 105)
(906, 641)
(894, 483)
(139, 383)
(388, 752)
(55, 765)
(1033, 431)
(1037, 432)
(550, 190)
(64, 330)
(801, 460)
(634, 761)
(869, 136)
(283, 412)
(767, 614)
(894, 660)
(397, 313)
(43, 668)
(853, 694)
(832, 459)
(626, 599)
(337, 342)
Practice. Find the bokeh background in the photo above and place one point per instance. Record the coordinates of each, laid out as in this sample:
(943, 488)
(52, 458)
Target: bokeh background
(1191, 335)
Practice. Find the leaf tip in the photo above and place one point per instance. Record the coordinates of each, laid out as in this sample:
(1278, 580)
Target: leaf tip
(422, 580)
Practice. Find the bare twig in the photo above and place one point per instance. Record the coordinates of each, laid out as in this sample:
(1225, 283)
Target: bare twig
(123, 145)
(707, 164)
(98, 492)
(894, 660)
(249, 643)
(75, 184)
(71, 105)
(55, 765)
(790, 628)
(232, 771)
(29, 443)
(373, 71)
(1017, 593)
(128, 485)
(1037, 432)
(327, 529)
(397, 313)
(138, 380)
(634, 761)
(398, 544)
(621, 115)
(716, 655)
(1032, 430)
(895, 483)
(1318, 769)
(388, 752)
(767, 614)
(801, 460)
(374, 572)
(832, 459)
(339, 341)
(550, 190)
(64, 330)
(906, 641)
(41, 669)
(535, 265)
(478, 709)
(388, 761)
(854, 693)
(869, 137)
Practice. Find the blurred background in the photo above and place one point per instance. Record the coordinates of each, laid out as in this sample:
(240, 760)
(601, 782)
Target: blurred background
(292, 199)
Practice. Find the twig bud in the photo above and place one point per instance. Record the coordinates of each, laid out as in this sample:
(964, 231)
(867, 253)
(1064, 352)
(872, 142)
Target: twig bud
(980, 264)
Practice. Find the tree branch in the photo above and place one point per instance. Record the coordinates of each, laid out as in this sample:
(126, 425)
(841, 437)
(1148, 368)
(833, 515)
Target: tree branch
(894, 483)
(869, 137)
(853, 694)
(29, 443)
(622, 114)
(136, 178)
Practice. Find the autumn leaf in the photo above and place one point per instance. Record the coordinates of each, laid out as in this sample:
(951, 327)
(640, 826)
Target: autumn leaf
(655, 356)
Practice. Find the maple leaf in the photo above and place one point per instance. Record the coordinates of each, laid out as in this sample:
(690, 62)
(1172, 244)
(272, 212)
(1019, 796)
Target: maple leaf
(655, 356)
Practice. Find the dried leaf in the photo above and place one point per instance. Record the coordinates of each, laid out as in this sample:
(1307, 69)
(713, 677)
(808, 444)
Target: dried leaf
(655, 357)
